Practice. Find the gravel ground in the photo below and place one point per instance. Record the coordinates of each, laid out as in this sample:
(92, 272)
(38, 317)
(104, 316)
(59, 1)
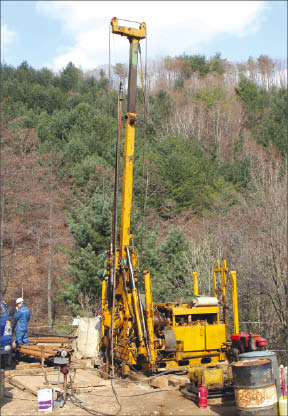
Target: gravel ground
(132, 399)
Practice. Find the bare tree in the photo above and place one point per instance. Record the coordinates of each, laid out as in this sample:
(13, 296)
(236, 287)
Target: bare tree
(121, 73)
(254, 238)
(33, 223)
(266, 67)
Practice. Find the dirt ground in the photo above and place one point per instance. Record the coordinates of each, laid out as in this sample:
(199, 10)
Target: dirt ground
(97, 397)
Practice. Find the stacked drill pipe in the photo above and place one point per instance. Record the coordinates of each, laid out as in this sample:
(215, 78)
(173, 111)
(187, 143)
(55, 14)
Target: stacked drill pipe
(49, 339)
(46, 352)
(36, 351)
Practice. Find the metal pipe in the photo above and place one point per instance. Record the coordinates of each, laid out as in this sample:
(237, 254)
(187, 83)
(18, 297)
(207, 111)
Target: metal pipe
(104, 302)
(135, 296)
(127, 183)
(214, 284)
(52, 340)
(52, 335)
(195, 284)
(31, 347)
(114, 220)
(235, 302)
(132, 77)
(145, 331)
(223, 287)
(116, 181)
(149, 314)
(65, 386)
(36, 353)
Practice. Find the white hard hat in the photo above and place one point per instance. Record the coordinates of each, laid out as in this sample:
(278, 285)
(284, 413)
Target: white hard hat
(19, 300)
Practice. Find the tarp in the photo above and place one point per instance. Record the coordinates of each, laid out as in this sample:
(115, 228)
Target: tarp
(89, 334)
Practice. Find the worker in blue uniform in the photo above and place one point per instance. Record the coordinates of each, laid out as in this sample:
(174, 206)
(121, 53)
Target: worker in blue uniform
(22, 316)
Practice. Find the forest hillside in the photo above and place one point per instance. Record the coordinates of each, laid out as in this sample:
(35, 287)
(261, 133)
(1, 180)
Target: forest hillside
(210, 182)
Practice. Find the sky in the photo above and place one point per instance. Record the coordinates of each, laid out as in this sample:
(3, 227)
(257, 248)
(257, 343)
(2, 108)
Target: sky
(53, 33)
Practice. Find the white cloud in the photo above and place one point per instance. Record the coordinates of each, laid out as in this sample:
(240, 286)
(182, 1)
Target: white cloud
(8, 36)
(172, 27)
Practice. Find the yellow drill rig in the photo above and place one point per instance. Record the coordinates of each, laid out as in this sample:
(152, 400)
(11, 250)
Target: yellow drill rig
(137, 333)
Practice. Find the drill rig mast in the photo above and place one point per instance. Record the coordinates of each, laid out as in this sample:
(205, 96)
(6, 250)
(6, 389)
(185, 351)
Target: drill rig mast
(135, 332)
(127, 333)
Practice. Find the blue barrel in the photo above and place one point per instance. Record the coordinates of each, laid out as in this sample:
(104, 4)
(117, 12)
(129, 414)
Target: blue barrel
(254, 388)
(272, 357)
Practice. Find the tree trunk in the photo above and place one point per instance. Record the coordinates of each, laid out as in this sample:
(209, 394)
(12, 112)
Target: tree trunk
(50, 257)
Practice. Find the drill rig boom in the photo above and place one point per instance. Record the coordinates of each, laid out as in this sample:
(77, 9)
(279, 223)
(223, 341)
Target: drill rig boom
(124, 323)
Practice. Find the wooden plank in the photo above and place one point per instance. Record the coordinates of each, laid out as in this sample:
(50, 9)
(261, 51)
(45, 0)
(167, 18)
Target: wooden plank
(30, 365)
(21, 386)
(29, 372)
